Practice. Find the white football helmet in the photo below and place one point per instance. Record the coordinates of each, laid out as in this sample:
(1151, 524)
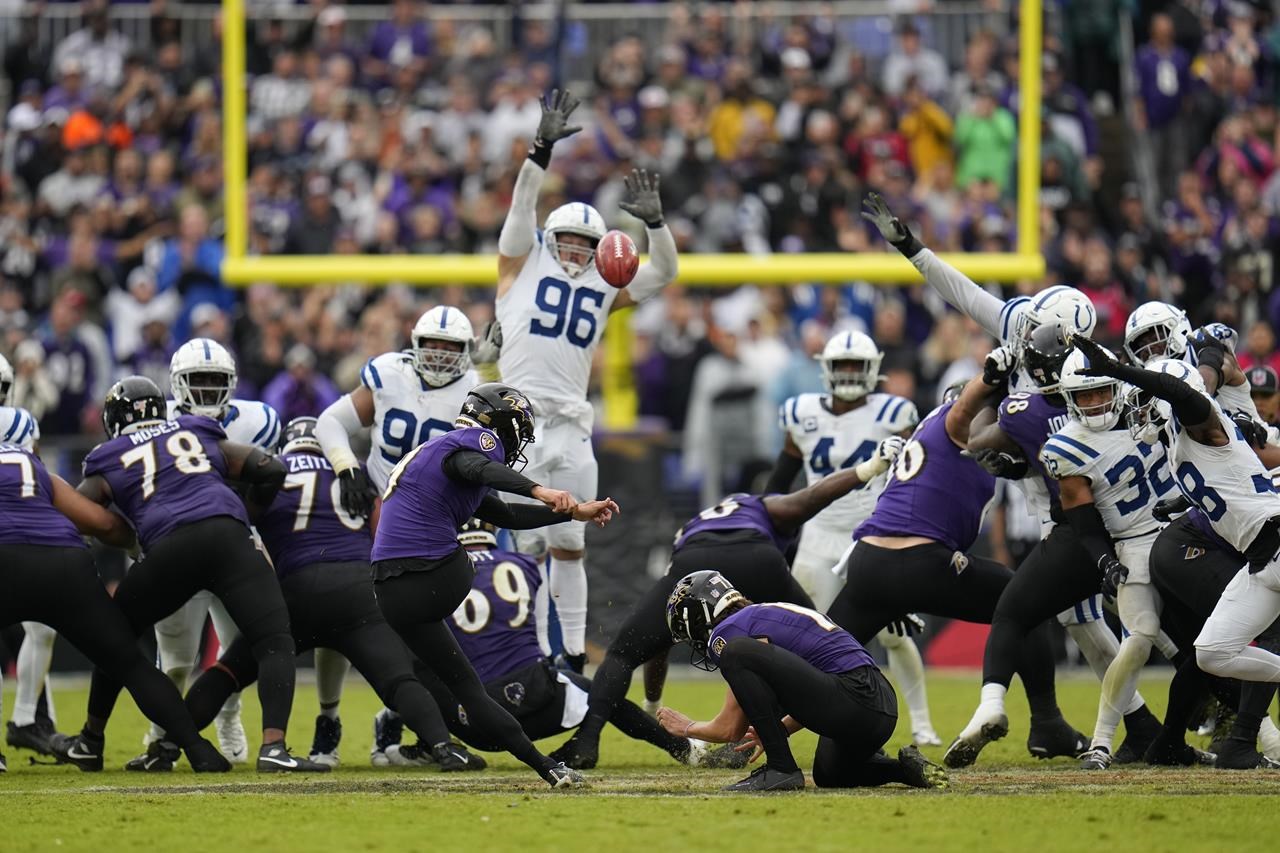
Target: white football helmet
(1060, 304)
(1097, 416)
(851, 365)
(1156, 330)
(202, 375)
(1146, 414)
(575, 218)
(442, 341)
(6, 380)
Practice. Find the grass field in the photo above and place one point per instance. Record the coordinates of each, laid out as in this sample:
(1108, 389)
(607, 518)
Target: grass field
(639, 799)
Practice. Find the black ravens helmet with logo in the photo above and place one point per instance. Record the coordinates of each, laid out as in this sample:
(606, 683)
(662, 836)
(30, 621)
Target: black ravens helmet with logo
(504, 410)
(693, 608)
(132, 400)
(300, 436)
(1045, 353)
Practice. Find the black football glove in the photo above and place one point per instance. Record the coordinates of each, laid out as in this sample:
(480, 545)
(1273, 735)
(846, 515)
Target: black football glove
(1210, 351)
(1114, 574)
(998, 463)
(907, 626)
(1101, 360)
(1254, 432)
(1166, 509)
(554, 124)
(891, 228)
(357, 493)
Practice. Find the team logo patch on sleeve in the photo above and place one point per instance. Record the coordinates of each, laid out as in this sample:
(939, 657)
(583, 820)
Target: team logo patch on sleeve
(487, 442)
(514, 693)
(717, 646)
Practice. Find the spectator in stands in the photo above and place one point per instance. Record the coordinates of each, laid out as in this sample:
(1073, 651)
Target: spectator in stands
(192, 265)
(75, 184)
(1264, 388)
(32, 390)
(927, 129)
(911, 59)
(101, 49)
(1260, 347)
(404, 42)
(741, 114)
(984, 140)
(70, 365)
(1164, 82)
(299, 391)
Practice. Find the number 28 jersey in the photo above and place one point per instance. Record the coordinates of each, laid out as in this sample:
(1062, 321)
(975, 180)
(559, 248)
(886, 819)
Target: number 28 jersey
(551, 325)
(167, 475)
(495, 624)
(406, 410)
(831, 442)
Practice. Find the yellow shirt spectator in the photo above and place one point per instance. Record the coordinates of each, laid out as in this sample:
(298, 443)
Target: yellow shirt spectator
(927, 128)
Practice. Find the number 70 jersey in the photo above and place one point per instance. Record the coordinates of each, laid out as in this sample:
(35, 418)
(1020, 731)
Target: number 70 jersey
(551, 325)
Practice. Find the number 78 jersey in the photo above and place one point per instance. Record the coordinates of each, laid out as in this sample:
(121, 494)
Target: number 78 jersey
(831, 442)
(1126, 477)
(551, 325)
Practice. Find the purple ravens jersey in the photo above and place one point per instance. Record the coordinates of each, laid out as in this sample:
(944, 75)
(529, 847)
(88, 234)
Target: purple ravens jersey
(27, 514)
(738, 511)
(167, 475)
(799, 630)
(933, 491)
(1204, 527)
(423, 508)
(495, 625)
(1029, 419)
(306, 523)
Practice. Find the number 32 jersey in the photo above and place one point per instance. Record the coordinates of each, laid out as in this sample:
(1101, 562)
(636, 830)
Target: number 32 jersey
(551, 325)
(406, 410)
(831, 442)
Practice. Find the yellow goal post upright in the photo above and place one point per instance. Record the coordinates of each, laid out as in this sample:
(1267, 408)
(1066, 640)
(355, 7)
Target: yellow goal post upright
(728, 270)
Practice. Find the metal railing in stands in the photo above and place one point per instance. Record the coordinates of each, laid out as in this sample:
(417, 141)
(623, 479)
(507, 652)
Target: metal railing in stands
(865, 25)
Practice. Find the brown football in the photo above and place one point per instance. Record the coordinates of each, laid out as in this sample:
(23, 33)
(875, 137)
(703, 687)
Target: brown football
(617, 258)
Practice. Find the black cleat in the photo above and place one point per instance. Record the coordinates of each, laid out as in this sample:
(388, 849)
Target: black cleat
(963, 751)
(564, 777)
(576, 754)
(83, 750)
(324, 744)
(1054, 738)
(388, 728)
(1236, 754)
(1141, 730)
(204, 757)
(33, 736)
(275, 758)
(454, 758)
(160, 757)
(765, 778)
(574, 663)
(920, 771)
(1166, 752)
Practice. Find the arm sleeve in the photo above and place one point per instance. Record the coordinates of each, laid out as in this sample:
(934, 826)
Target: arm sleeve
(961, 293)
(516, 516)
(474, 467)
(661, 269)
(784, 473)
(518, 231)
(334, 428)
(1087, 523)
(1189, 405)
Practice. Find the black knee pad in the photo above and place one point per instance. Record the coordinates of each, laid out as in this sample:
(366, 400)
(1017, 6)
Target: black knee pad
(274, 644)
(392, 686)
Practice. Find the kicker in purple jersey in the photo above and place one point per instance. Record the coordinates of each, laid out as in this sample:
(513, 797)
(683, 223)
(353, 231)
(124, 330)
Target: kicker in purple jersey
(1029, 420)
(932, 491)
(424, 508)
(305, 523)
(799, 630)
(27, 514)
(736, 512)
(495, 625)
(167, 475)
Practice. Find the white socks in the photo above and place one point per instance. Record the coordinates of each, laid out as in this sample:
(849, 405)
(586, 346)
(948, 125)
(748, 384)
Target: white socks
(907, 669)
(1119, 687)
(990, 705)
(331, 670)
(33, 670)
(569, 592)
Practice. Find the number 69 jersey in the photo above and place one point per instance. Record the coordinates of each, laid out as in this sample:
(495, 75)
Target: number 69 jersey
(551, 325)
(495, 624)
(306, 524)
(831, 442)
(167, 475)
(406, 410)
(1126, 477)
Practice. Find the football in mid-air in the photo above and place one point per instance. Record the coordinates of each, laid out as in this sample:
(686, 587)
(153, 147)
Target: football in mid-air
(617, 258)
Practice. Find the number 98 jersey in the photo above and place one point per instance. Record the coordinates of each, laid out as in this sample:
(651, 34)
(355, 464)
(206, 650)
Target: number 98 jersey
(494, 624)
(1126, 477)
(831, 442)
(551, 325)
(406, 410)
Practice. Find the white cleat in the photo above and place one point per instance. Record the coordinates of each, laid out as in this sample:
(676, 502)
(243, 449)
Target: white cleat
(926, 737)
(1269, 739)
(232, 742)
(964, 749)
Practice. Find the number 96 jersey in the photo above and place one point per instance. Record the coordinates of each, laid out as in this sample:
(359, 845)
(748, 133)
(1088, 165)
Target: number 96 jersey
(406, 410)
(494, 624)
(831, 442)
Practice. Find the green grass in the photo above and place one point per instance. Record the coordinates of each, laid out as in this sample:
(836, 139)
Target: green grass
(639, 799)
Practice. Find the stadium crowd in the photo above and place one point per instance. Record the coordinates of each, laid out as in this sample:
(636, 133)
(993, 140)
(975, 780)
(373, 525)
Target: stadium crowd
(408, 139)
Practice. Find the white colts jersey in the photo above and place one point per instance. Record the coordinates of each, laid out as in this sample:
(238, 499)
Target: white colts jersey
(1126, 477)
(1229, 484)
(406, 410)
(831, 442)
(247, 422)
(18, 427)
(1235, 399)
(551, 325)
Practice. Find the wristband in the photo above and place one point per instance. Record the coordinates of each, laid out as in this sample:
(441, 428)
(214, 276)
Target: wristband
(540, 153)
(656, 224)
(871, 468)
(342, 460)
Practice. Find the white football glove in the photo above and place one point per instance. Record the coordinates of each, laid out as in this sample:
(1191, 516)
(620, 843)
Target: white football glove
(886, 454)
(487, 347)
(1000, 362)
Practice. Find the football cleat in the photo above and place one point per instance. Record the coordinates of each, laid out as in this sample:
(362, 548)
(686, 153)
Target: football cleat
(1054, 738)
(3, 766)
(204, 757)
(411, 755)
(1165, 752)
(715, 756)
(33, 736)
(963, 751)
(275, 758)
(564, 777)
(1269, 740)
(573, 663)
(83, 750)
(1236, 754)
(388, 728)
(160, 757)
(576, 753)
(1098, 758)
(324, 744)
(765, 778)
(1140, 733)
(454, 758)
(925, 737)
(920, 771)
(232, 742)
